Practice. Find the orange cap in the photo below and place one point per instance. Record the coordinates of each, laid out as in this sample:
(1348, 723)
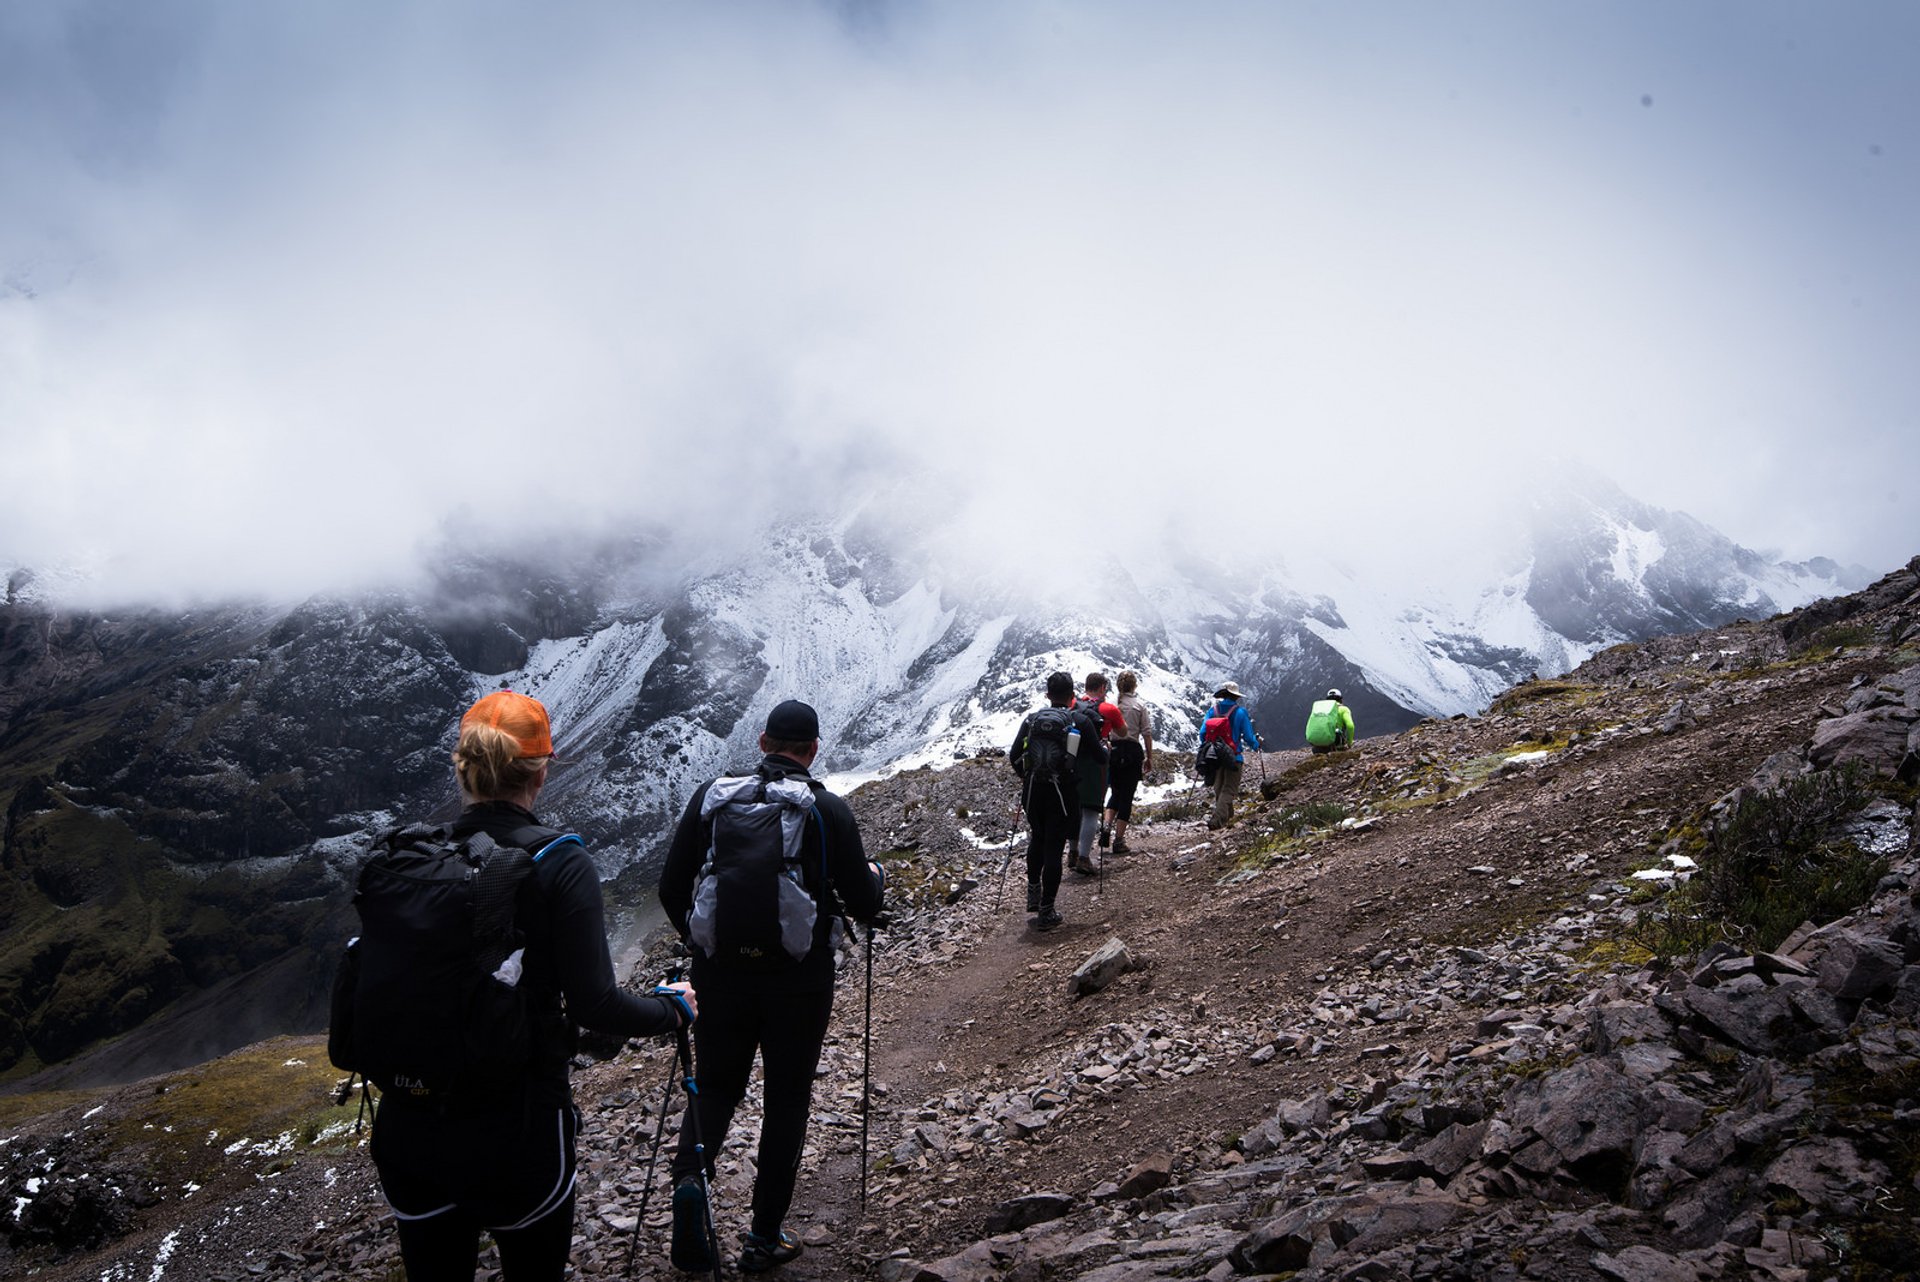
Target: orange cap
(523, 719)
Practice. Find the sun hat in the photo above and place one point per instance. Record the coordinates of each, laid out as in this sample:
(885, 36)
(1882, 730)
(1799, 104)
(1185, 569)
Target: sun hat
(1227, 691)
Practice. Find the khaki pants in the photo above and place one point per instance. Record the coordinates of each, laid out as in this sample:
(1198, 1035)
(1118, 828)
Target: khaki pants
(1226, 787)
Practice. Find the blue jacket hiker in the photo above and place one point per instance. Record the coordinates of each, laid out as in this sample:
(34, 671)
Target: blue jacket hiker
(1227, 719)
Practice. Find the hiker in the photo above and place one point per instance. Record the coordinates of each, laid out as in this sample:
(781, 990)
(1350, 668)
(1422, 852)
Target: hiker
(1044, 752)
(459, 1161)
(775, 1000)
(1098, 720)
(1227, 719)
(1329, 725)
(1130, 757)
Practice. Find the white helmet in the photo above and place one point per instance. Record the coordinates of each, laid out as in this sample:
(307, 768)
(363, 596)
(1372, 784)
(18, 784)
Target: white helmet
(1333, 694)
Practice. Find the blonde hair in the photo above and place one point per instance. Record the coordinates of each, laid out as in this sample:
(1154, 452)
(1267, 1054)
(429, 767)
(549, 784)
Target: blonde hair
(1128, 682)
(488, 763)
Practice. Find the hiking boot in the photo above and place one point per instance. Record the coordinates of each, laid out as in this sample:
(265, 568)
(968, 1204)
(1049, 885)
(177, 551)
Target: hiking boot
(1122, 848)
(760, 1254)
(689, 1251)
(1048, 919)
(1085, 868)
(1033, 896)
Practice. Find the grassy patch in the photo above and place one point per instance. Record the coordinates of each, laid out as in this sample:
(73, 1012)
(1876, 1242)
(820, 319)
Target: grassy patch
(1837, 636)
(1572, 694)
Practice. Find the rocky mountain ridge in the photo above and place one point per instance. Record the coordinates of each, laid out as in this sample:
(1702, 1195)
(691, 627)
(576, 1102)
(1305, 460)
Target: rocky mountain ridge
(1422, 1012)
(185, 793)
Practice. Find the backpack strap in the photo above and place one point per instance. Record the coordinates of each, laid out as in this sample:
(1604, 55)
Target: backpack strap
(540, 841)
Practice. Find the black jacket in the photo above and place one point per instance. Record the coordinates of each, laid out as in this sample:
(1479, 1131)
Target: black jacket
(851, 886)
(564, 917)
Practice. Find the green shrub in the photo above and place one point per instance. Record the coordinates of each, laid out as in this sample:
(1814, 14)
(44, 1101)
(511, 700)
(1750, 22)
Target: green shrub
(1773, 863)
(1770, 865)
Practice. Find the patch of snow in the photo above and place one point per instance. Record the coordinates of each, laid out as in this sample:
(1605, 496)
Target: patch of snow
(162, 1255)
(97, 1108)
(1635, 551)
(1654, 874)
(1525, 757)
(1148, 794)
(981, 843)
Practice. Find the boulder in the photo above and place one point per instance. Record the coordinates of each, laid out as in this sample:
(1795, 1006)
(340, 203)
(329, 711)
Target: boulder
(1828, 1174)
(1876, 738)
(1854, 967)
(1644, 1264)
(1110, 961)
(1279, 1245)
(975, 1264)
(1024, 1212)
(1591, 1115)
(1151, 1173)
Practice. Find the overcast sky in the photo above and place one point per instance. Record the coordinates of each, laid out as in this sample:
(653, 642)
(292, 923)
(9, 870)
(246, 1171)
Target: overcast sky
(282, 286)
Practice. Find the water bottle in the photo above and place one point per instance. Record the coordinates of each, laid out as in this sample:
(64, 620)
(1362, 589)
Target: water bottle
(1073, 741)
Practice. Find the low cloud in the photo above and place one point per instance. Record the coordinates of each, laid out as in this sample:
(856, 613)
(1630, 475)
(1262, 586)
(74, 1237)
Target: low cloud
(291, 288)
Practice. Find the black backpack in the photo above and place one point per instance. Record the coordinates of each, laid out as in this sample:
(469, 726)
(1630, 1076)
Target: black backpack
(1046, 756)
(427, 1001)
(752, 908)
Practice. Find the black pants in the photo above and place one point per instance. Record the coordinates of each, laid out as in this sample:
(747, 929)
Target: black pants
(448, 1178)
(788, 1030)
(1123, 776)
(1053, 826)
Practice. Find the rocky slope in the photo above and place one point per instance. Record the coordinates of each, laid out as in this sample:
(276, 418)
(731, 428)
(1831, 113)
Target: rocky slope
(184, 793)
(1440, 1007)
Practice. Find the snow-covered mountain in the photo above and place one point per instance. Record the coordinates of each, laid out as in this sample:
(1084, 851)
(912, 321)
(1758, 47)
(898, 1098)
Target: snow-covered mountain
(191, 788)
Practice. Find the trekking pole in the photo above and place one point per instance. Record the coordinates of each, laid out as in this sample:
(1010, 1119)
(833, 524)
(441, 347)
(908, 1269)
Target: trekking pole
(1006, 860)
(683, 1046)
(659, 1133)
(866, 1071)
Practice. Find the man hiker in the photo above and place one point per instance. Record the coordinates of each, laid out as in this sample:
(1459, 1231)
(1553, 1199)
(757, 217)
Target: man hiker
(1227, 720)
(1132, 757)
(756, 994)
(1329, 725)
(1100, 719)
(1044, 753)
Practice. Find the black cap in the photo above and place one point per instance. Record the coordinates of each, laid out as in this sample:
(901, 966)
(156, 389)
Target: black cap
(792, 721)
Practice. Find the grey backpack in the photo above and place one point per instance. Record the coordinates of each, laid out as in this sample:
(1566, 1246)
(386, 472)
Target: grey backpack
(751, 908)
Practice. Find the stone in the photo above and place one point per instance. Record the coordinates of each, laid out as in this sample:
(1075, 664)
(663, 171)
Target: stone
(1024, 1212)
(1279, 1245)
(1855, 967)
(1876, 738)
(975, 1264)
(1781, 1253)
(1591, 1114)
(1644, 1264)
(1152, 1172)
(1827, 1173)
(1623, 1023)
(1758, 1020)
(1449, 1152)
(1110, 961)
